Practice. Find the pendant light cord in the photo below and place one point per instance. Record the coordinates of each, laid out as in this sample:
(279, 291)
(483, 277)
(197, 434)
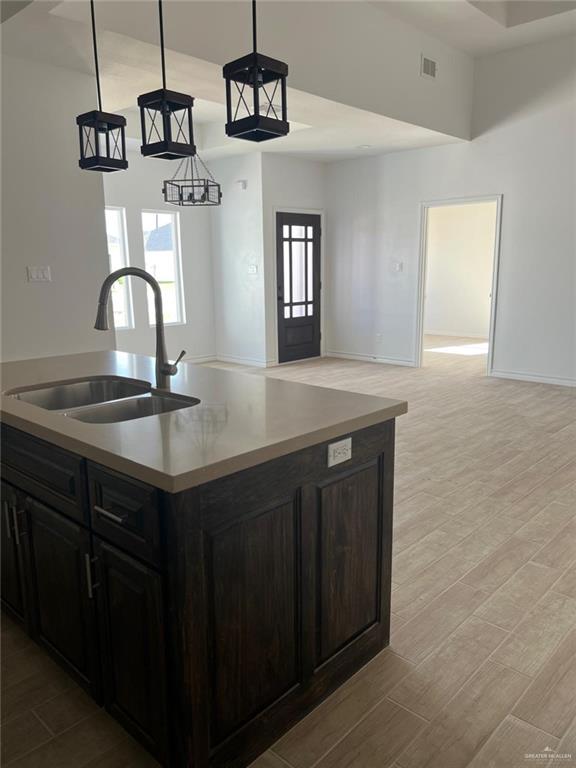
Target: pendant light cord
(162, 56)
(96, 66)
(254, 26)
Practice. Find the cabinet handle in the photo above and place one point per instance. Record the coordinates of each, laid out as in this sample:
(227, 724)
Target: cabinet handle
(7, 519)
(16, 526)
(91, 586)
(119, 519)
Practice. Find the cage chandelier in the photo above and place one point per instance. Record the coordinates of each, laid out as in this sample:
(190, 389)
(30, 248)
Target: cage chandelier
(192, 184)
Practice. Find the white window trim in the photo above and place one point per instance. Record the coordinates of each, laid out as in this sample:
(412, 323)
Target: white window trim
(130, 305)
(180, 305)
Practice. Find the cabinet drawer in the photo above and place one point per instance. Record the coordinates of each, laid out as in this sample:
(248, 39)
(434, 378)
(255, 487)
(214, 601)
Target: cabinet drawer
(126, 512)
(47, 472)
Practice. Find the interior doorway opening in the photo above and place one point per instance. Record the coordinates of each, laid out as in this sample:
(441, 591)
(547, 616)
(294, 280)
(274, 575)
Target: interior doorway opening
(458, 282)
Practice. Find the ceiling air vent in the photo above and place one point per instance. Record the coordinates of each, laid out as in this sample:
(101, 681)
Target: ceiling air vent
(428, 67)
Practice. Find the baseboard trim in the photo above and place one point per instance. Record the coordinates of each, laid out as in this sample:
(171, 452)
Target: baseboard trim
(534, 378)
(199, 359)
(241, 361)
(371, 358)
(480, 336)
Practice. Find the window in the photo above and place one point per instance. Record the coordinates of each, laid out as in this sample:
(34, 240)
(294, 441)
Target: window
(118, 258)
(162, 260)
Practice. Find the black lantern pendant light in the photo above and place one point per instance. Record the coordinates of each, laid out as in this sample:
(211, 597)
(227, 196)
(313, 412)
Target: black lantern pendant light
(189, 186)
(102, 134)
(166, 117)
(256, 95)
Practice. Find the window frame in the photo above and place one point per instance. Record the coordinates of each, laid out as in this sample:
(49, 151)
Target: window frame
(179, 272)
(121, 210)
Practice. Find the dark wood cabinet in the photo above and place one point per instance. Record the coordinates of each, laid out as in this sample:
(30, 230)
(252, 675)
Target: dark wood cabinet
(125, 512)
(279, 577)
(209, 621)
(13, 584)
(131, 622)
(348, 534)
(60, 578)
(45, 472)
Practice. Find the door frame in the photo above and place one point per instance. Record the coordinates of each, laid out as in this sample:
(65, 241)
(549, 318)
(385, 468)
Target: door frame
(314, 212)
(423, 262)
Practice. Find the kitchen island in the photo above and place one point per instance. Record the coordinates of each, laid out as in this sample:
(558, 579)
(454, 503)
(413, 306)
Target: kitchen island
(208, 574)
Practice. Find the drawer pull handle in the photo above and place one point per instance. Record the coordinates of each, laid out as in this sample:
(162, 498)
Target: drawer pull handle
(7, 519)
(119, 519)
(17, 532)
(89, 583)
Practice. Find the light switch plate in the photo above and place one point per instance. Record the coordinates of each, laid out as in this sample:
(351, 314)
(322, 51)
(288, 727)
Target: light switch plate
(339, 452)
(39, 274)
(252, 269)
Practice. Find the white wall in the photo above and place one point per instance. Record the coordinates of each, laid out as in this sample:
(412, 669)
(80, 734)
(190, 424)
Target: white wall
(238, 261)
(288, 183)
(138, 189)
(52, 214)
(459, 258)
(525, 149)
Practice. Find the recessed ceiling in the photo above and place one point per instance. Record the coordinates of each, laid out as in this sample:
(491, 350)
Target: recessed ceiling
(511, 13)
(481, 27)
(9, 8)
(320, 128)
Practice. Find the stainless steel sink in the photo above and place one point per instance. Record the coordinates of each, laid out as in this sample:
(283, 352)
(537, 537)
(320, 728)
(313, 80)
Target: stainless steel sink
(103, 399)
(133, 408)
(65, 395)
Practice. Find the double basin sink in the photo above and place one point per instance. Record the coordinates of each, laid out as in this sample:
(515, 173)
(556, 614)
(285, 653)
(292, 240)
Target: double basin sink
(103, 399)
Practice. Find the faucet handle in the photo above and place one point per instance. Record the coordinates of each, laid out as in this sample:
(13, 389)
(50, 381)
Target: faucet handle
(171, 369)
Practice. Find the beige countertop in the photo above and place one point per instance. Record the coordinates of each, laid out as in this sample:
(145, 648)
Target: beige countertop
(243, 420)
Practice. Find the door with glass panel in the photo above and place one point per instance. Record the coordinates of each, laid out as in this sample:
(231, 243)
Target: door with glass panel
(298, 271)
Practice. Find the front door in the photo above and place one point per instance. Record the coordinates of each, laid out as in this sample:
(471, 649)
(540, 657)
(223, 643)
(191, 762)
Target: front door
(298, 275)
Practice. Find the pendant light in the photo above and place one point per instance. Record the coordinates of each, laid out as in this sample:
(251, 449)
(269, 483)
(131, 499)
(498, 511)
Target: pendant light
(166, 116)
(102, 134)
(256, 95)
(190, 186)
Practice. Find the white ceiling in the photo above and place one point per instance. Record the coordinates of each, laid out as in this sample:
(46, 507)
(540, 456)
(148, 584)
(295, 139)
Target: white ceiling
(58, 33)
(486, 26)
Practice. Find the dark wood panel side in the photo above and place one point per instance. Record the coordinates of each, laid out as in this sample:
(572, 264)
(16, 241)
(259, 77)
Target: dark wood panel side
(186, 614)
(348, 558)
(386, 501)
(254, 609)
(218, 546)
(274, 480)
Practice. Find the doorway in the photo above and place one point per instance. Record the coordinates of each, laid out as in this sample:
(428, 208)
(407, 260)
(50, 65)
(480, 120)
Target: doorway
(459, 280)
(298, 285)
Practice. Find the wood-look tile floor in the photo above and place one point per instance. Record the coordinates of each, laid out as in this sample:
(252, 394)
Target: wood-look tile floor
(481, 670)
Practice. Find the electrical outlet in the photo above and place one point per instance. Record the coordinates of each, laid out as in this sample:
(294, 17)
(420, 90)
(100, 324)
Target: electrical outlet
(339, 452)
(38, 274)
(252, 269)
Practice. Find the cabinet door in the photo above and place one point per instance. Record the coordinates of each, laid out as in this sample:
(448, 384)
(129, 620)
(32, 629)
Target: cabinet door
(12, 575)
(129, 598)
(62, 587)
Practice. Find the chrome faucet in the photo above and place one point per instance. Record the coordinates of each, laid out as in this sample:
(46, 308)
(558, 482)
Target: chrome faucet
(164, 368)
